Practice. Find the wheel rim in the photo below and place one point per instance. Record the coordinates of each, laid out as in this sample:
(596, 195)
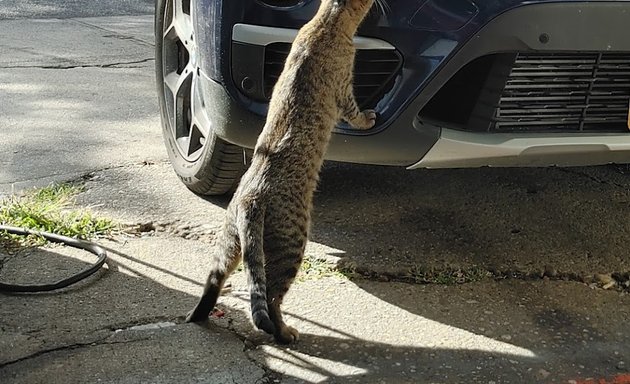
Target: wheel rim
(187, 120)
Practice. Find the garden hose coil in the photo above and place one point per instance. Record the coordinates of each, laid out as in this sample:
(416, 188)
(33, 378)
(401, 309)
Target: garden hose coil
(76, 243)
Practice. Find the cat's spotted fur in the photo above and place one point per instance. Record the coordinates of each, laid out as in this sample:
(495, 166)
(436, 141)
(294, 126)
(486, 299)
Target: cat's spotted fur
(267, 221)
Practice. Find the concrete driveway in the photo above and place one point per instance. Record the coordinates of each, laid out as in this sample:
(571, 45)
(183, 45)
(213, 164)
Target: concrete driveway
(539, 245)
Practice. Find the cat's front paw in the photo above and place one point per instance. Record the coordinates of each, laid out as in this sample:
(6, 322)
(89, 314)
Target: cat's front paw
(366, 119)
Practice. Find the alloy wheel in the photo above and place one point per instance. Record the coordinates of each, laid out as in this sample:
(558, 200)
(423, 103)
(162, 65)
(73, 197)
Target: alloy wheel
(187, 119)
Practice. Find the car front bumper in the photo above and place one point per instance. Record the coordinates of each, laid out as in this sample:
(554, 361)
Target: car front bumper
(401, 137)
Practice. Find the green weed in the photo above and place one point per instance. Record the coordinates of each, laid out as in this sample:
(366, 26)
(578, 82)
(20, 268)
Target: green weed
(313, 268)
(50, 209)
(448, 276)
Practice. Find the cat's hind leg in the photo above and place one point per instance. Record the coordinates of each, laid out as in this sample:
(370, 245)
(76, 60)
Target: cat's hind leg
(250, 226)
(286, 263)
(285, 334)
(222, 265)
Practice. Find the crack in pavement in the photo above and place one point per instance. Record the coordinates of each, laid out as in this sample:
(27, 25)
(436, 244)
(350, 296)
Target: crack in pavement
(269, 376)
(112, 330)
(206, 233)
(68, 347)
(448, 276)
(113, 33)
(121, 64)
(116, 329)
(83, 175)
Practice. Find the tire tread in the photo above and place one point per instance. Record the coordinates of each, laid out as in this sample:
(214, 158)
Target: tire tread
(222, 171)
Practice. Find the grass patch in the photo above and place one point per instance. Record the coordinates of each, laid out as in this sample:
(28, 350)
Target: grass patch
(448, 276)
(313, 268)
(50, 209)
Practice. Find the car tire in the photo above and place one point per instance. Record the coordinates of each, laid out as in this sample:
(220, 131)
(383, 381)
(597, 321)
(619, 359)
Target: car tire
(205, 163)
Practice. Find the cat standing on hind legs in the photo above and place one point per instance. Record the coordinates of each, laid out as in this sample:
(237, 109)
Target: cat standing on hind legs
(267, 222)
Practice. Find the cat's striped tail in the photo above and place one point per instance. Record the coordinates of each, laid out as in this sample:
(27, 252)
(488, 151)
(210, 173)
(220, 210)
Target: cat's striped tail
(250, 221)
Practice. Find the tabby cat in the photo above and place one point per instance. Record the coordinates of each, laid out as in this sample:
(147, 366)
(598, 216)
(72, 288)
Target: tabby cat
(267, 221)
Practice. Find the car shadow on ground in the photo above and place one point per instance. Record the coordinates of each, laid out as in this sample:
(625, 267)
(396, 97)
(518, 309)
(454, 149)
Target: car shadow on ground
(513, 220)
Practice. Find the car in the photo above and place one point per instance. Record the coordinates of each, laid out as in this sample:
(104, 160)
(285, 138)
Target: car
(455, 83)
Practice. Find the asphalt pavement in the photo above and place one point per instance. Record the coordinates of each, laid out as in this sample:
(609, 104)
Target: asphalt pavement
(77, 95)
(63, 9)
(78, 103)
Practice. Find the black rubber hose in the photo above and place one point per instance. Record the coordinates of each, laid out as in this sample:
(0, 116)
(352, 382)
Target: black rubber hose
(76, 243)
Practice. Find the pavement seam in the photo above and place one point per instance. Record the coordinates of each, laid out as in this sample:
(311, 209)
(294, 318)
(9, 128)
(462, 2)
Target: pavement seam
(122, 64)
(85, 175)
(114, 33)
(172, 229)
(269, 376)
(619, 281)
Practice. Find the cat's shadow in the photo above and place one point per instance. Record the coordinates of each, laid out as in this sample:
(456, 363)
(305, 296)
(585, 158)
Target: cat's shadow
(335, 360)
(338, 357)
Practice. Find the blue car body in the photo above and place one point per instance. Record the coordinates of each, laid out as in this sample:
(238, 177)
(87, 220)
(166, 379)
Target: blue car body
(434, 40)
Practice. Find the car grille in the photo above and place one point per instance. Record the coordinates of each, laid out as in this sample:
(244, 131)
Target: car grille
(374, 71)
(581, 92)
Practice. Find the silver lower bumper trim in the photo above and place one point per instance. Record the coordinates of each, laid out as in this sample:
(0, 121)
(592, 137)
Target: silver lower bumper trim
(458, 149)
(262, 35)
